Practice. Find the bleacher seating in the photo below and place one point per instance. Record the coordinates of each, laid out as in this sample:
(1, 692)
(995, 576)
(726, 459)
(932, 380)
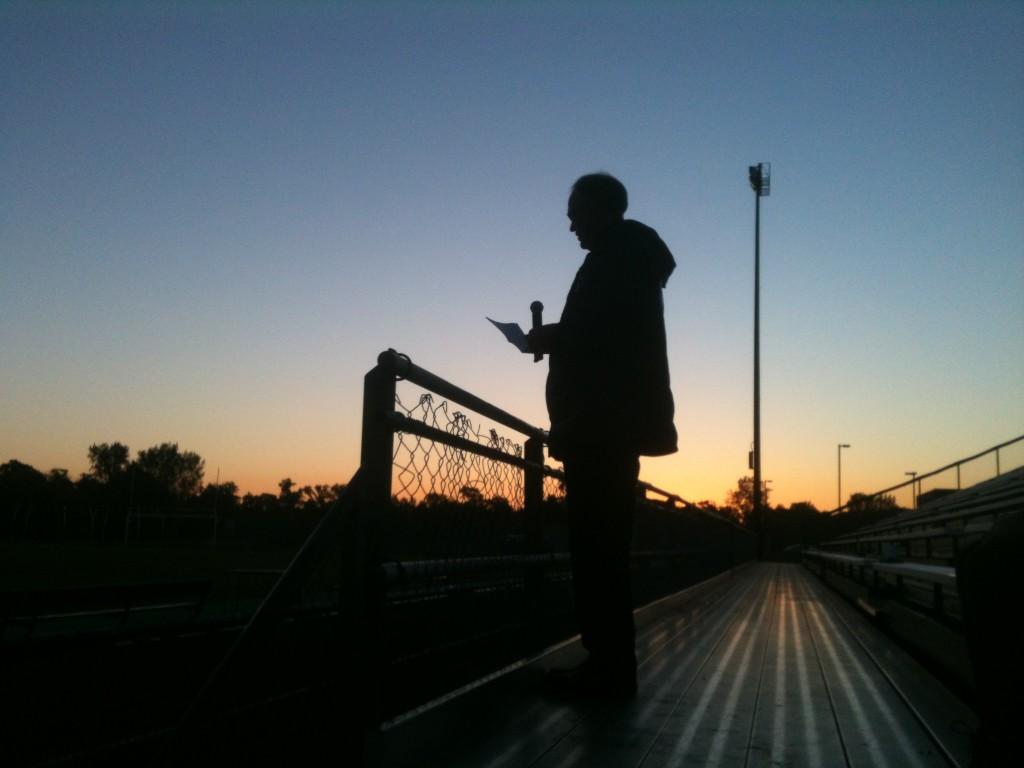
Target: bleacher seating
(936, 532)
(81, 609)
(902, 571)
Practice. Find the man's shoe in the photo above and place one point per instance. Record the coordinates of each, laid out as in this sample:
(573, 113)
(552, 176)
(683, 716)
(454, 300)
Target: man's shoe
(589, 680)
(563, 673)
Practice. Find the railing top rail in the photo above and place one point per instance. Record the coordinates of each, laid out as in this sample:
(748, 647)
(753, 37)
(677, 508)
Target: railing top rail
(404, 368)
(402, 423)
(918, 478)
(689, 505)
(963, 508)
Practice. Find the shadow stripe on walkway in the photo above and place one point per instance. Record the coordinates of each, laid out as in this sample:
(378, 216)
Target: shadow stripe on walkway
(767, 668)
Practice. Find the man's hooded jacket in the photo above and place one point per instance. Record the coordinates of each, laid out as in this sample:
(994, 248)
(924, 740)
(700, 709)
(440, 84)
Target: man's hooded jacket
(608, 380)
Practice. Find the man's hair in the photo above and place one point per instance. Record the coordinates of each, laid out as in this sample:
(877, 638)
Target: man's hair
(602, 192)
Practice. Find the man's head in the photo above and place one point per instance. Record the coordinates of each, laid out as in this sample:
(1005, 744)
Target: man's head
(597, 201)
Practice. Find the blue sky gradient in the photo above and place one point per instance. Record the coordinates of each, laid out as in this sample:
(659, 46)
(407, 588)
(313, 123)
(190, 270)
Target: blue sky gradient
(215, 215)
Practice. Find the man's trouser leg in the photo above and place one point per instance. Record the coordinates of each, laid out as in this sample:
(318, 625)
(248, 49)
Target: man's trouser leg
(601, 495)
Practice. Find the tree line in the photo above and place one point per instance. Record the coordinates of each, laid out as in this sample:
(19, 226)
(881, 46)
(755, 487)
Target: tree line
(802, 524)
(161, 480)
(119, 495)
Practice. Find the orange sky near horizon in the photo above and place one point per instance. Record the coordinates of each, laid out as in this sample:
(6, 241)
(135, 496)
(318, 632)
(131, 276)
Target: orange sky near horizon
(216, 216)
(329, 453)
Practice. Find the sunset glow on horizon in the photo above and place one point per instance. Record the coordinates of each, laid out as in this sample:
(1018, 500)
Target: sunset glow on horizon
(216, 216)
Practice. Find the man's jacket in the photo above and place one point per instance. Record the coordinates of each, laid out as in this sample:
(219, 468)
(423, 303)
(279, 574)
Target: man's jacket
(608, 380)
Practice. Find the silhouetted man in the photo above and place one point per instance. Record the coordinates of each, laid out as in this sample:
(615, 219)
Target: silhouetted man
(609, 401)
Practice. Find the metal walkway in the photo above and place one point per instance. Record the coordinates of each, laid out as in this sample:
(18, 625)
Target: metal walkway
(765, 667)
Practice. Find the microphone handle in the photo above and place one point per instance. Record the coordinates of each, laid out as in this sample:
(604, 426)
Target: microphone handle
(536, 308)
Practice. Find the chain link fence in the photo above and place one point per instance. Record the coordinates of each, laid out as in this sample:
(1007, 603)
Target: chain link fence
(426, 470)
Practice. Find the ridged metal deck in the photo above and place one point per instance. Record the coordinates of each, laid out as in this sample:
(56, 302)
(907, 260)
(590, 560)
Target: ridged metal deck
(764, 667)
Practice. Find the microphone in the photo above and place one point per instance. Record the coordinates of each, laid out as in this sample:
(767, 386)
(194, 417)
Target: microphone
(536, 308)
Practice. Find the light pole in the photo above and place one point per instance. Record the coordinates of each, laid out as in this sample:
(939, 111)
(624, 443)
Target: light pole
(839, 461)
(760, 177)
(913, 489)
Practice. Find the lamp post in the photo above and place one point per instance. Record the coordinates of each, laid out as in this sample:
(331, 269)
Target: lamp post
(839, 461)
(760, 177)
(913, 489)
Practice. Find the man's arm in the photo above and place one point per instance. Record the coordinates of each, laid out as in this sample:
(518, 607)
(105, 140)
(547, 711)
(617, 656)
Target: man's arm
(543, 339)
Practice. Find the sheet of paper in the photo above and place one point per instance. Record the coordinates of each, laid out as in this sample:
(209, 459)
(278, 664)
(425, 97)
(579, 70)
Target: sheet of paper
(513, 333)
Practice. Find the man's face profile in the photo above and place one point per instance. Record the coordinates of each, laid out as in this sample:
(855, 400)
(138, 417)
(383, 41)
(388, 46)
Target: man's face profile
(585, 221)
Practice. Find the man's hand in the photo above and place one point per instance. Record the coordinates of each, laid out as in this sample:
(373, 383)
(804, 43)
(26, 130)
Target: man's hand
(543, 339)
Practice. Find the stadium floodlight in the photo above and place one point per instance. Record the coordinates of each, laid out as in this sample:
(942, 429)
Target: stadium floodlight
(761, 178)
(760, 181)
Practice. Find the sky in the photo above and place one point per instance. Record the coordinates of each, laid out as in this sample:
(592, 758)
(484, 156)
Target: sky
(214, 216)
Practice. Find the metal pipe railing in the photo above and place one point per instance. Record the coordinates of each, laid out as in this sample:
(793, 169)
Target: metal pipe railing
(363, 576)
(381, 421)
(675, 499)
(401, 423)
(401, 366)
(916, 480)
(282, 595)
(951, 520)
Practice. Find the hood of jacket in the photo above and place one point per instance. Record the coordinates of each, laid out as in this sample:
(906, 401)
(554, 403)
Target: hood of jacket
(644, 244)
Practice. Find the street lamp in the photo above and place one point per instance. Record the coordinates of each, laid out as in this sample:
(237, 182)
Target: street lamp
(760, 176)
(839, 461)
(913, 489)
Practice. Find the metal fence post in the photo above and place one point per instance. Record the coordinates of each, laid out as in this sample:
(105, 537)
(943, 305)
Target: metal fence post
(533, 522)
(533, 494)
(365, 593)
(377, 450)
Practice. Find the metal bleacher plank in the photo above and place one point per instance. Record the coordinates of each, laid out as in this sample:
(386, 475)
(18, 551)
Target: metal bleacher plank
(794, 725)
(710, 723)
(949, 719)
(514, 721)
(876, 725)
(937, 574)
(623, 733)
(769, 668)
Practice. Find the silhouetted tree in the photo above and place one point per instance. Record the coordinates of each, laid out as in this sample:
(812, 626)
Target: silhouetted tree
(863, 510)
(60, 489)
(22, 493)
(471, 495)
(861, 504)
(263, 502)
(499, 505)
(108, 460)
(742, 498)
(320, 497)
(796, 526)
(289, 495)
(729, 513)
(180, 473)
(435, 500)
(222, 497)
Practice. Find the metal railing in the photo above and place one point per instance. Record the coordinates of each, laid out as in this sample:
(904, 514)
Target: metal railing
(903, 571)
(429, 619)
(516, 585)
(915, 483)
(937, 531)
(912, 556)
